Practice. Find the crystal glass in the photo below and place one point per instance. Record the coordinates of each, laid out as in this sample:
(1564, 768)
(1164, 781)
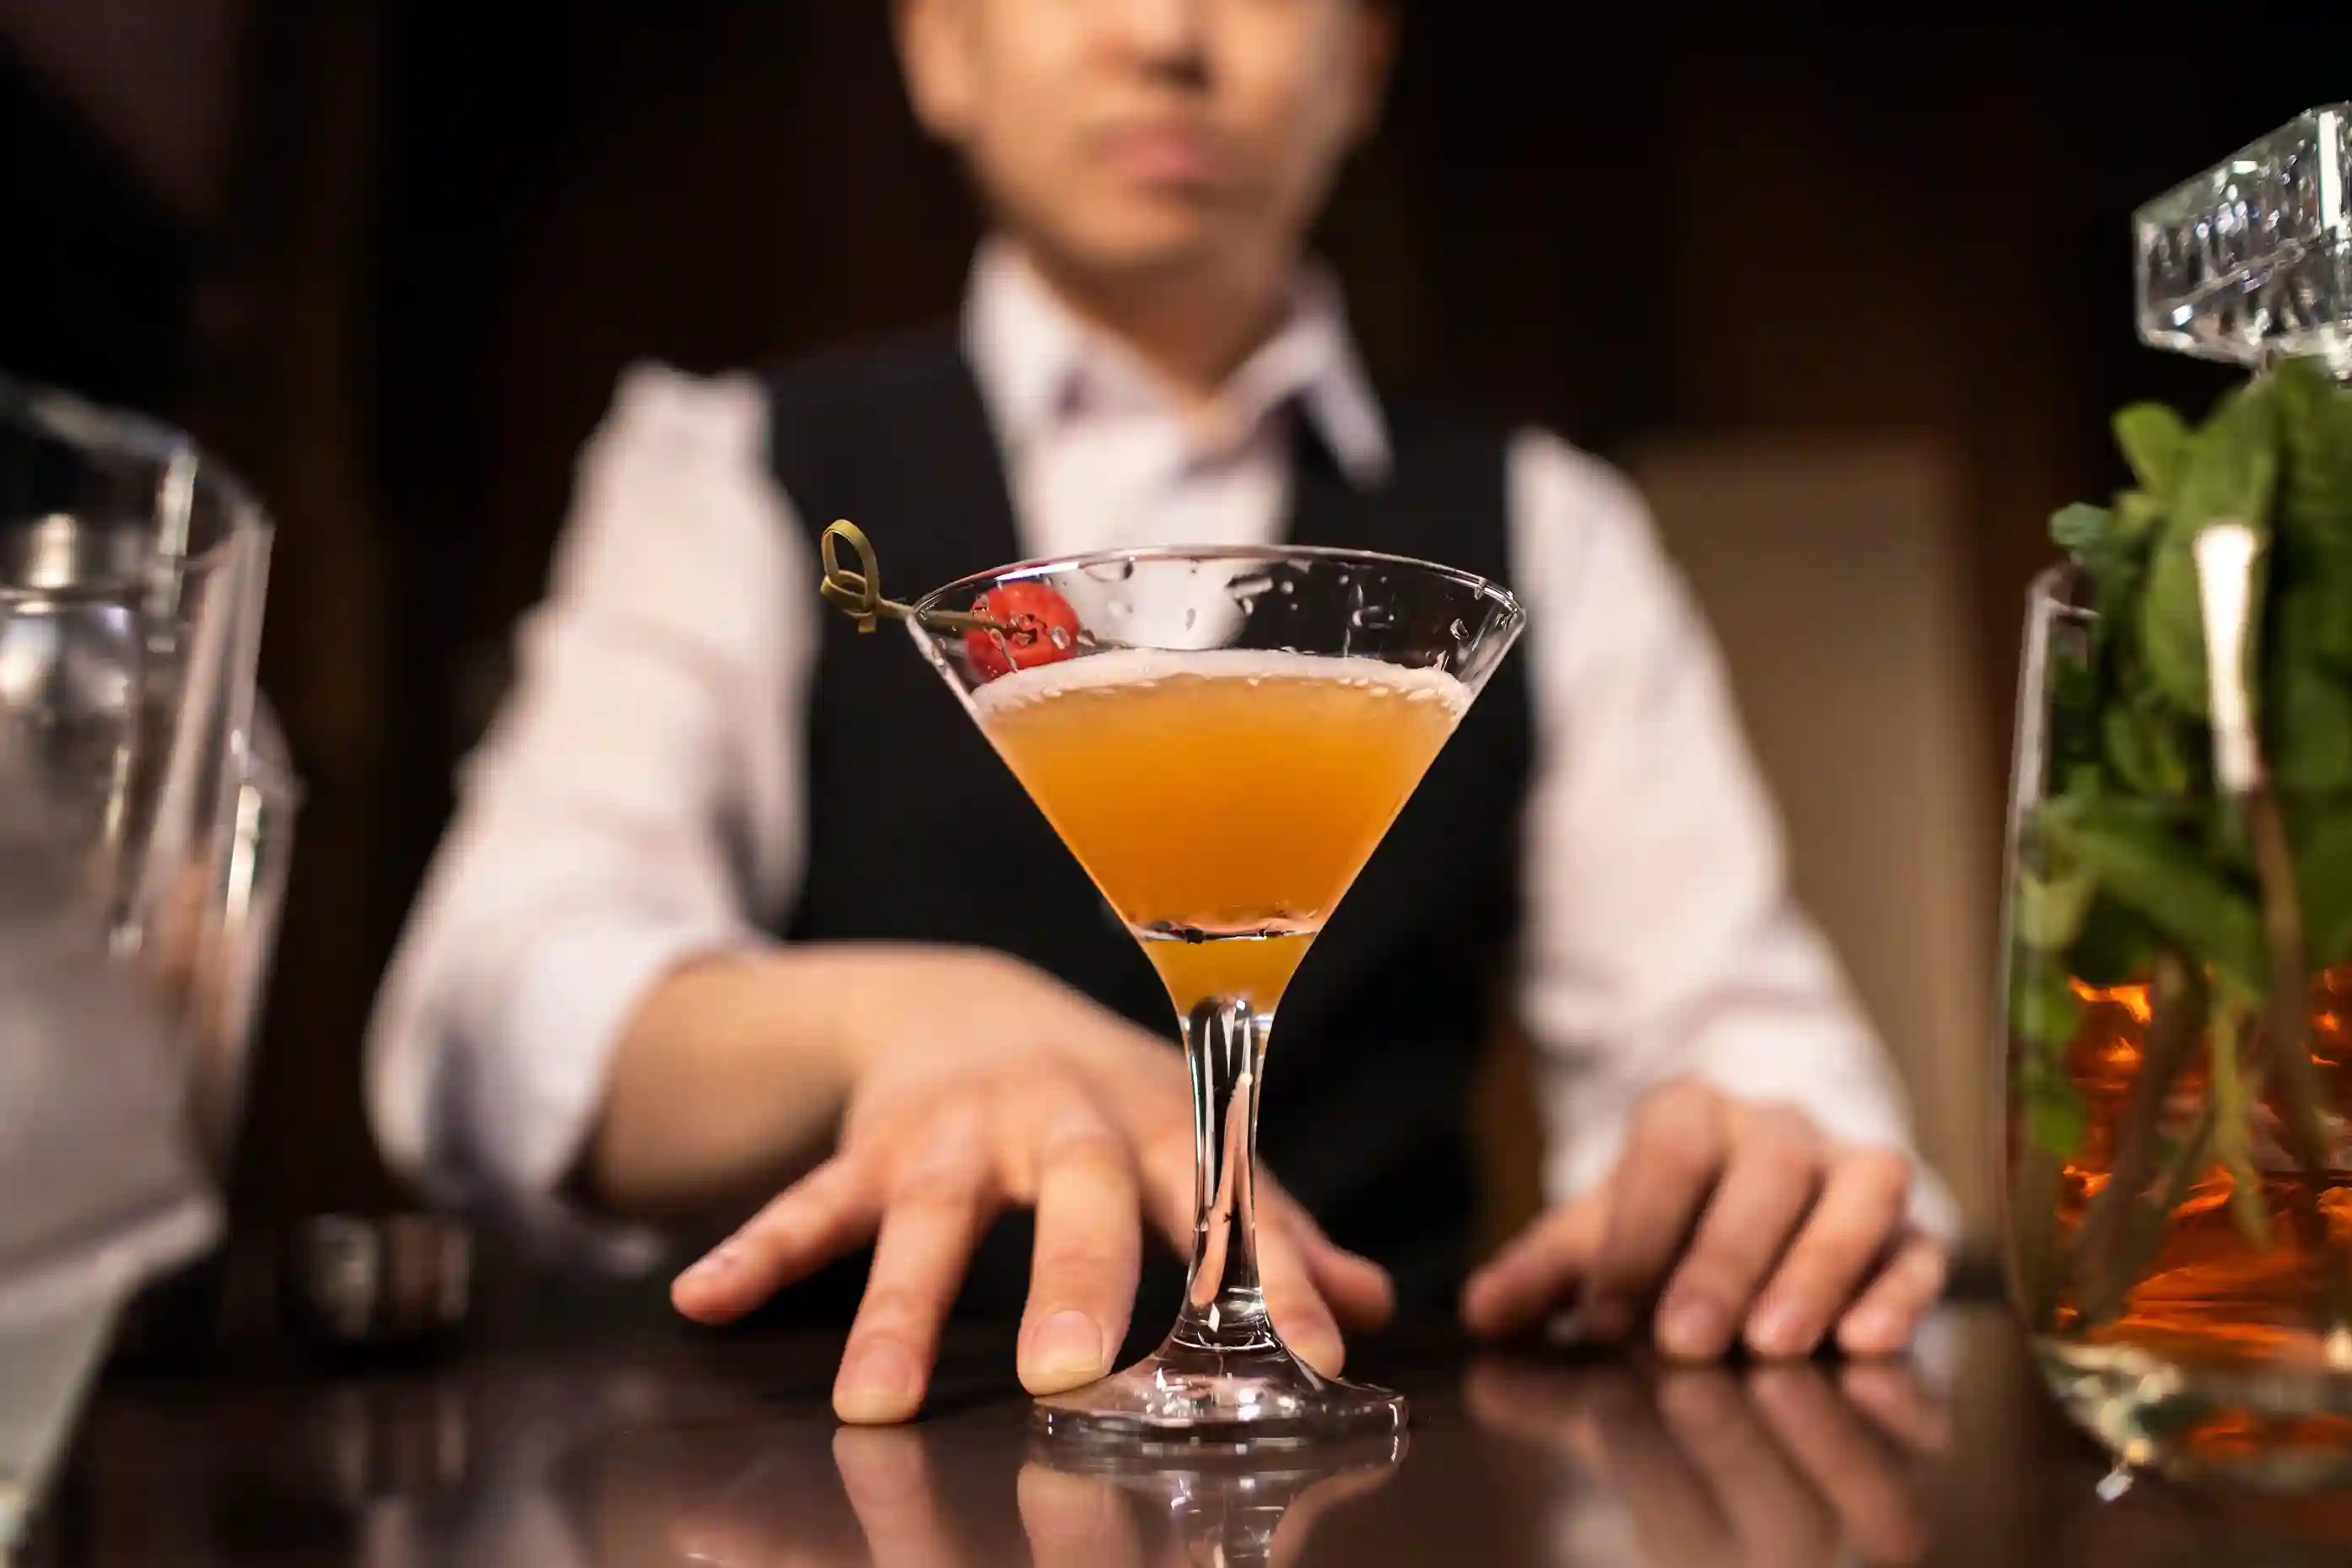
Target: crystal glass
(144, 806)
(99, 1187)
(131, 572)
(2253, 257)
(1222, 737)
(2180, 1265)
(239, 938)
(2179, 1171)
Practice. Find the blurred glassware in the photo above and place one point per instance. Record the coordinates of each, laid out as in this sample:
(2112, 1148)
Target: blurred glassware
(244, 911)
(132, 572)
(2177, 1079)
(132, 568)
(227, 936)
(45, 1371)
(2178, 1306)
(145, 805)
(99, 1185)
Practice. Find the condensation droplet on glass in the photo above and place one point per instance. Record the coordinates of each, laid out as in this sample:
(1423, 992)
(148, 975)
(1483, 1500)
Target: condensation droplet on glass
(1285, 588)
(1059, 637)
(1459, 630)
(1192, 617)
(1117, 570)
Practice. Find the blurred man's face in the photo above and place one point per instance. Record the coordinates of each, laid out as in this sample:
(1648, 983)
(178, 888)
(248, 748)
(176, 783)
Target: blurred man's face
(1132, 137)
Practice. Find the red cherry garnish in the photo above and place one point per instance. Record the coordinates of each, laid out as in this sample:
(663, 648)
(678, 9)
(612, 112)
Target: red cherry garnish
(1042, 630)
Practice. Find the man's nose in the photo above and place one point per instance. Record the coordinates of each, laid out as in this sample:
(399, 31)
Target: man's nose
(1167, 38)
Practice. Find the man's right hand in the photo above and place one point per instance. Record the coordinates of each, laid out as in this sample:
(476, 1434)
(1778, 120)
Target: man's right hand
(977, 1082)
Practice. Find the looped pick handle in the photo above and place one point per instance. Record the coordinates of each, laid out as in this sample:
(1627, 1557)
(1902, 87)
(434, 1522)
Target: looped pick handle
(858, 593)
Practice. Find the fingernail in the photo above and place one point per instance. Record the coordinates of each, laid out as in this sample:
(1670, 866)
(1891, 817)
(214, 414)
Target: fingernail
(878, 1382)
(1065, 1349)
(1694, 1330)
(1872, 1331)
(712, 1267)
(1779, 1329)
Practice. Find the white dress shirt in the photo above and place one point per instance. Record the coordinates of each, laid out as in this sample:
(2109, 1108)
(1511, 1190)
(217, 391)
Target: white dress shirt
(638, 800)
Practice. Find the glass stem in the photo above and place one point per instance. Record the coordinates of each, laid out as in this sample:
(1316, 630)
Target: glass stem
(1224, 1304)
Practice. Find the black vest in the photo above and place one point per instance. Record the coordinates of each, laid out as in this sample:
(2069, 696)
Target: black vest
(916, 831)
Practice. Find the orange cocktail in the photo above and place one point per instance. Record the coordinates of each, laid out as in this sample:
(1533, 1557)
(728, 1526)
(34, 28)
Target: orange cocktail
(1222, 735)
(1223, 800)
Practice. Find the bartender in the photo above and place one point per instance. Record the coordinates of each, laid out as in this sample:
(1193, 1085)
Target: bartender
(738, 907)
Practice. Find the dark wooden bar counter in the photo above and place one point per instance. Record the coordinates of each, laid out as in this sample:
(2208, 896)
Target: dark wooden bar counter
(659, 1446)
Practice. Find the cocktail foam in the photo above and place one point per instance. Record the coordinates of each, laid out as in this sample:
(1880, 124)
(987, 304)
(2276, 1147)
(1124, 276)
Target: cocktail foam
(1153, 666)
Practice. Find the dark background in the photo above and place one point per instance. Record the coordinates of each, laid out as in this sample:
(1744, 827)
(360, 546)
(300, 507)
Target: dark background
(387, 256)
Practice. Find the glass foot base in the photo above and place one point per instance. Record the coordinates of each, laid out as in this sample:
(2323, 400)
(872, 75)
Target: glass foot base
(1186, 1396)
(2275, 1427)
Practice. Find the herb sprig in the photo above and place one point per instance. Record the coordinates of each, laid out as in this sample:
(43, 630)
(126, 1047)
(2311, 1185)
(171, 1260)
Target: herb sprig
(2137, 864)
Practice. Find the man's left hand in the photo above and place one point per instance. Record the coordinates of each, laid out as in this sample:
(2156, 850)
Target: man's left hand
(1742, 1222)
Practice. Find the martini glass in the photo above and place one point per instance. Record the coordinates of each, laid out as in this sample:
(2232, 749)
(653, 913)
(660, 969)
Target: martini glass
(1222, 737)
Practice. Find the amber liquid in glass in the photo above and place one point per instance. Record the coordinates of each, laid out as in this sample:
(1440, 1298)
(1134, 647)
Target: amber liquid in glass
(2211, 1292)
(1223, 801)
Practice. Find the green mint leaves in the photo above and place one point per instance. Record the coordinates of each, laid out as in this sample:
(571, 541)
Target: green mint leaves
(2133, 852)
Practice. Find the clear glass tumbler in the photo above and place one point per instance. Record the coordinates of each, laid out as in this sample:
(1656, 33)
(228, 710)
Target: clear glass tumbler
(132, 568)
(2179, 1253)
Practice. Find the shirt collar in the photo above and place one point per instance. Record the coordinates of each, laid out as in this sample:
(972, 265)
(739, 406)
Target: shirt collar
(1040, 367)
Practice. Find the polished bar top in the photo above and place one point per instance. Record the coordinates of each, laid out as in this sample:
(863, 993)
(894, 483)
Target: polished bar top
(654, 1448)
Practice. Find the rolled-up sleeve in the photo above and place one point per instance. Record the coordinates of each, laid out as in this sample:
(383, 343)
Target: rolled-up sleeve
(634, 803)
(1661, 936)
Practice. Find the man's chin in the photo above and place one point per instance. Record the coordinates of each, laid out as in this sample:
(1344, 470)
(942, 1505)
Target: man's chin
(1156, 243)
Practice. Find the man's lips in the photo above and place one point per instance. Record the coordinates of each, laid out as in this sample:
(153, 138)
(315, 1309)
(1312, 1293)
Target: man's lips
(1163, 155)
